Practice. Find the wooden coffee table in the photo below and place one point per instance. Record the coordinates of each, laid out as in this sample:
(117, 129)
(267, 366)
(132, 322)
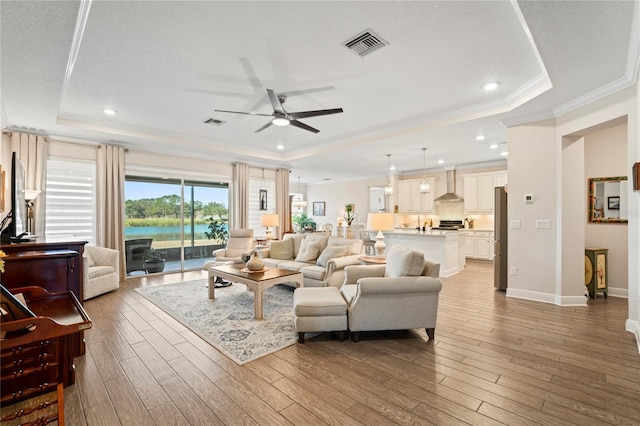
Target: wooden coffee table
(257, 282)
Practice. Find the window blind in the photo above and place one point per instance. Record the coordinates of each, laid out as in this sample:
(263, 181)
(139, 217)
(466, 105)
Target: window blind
(70, 200)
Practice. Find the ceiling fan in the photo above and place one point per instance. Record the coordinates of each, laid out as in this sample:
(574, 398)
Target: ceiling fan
(283, 118)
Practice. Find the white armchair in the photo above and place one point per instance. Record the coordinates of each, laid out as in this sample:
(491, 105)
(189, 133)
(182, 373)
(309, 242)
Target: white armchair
(101, 271)
(400, 295)
(240, 243)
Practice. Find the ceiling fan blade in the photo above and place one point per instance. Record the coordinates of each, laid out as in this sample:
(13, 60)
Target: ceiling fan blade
(245, 113)
(263, 127)
(303, 126)
(275, 102)
(307, 91)
(307, 114)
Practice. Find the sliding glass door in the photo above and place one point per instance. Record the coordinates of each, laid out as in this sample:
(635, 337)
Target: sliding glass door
(172, 217)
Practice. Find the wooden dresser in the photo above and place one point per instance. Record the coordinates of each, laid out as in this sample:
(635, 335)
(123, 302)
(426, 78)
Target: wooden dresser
(35, 355)
(56, 267)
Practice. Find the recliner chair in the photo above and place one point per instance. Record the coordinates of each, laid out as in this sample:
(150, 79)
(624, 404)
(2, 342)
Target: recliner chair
(240, 243)
(239, 246)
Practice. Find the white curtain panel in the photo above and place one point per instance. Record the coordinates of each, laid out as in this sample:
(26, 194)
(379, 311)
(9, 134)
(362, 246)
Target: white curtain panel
(110, 200)
(32, 152)
(283, 207)
(240, 196)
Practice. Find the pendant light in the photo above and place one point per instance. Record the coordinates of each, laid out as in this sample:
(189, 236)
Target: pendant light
(300, 203)
(425, 185)
(388, 190)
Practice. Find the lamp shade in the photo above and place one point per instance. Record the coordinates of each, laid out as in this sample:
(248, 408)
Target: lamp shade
(270, 220)
(31, 194)
(380, 222)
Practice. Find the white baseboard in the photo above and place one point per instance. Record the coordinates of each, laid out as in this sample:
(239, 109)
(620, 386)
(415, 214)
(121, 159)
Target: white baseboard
(634, 328)
(618, 292)
(547, 298)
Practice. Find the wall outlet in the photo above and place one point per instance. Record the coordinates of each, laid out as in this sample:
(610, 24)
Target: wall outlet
(515, 224)
(514, 270)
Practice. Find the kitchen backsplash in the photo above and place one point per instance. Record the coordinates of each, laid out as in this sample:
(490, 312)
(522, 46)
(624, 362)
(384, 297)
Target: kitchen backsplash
(480, 221)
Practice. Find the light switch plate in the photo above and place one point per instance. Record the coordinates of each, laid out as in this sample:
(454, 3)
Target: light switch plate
(515, 224)
(543, 224)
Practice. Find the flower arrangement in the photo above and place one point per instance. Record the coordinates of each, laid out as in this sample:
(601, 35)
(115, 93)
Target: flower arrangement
(349, 215)
(2, 256)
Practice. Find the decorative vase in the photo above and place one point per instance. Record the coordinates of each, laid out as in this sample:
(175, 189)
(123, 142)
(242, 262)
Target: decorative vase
(255, 264)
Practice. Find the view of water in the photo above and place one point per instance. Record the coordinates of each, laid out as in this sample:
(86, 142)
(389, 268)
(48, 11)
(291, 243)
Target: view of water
(165, 233)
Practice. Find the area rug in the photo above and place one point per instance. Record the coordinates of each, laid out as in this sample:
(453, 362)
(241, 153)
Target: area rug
(227, 322)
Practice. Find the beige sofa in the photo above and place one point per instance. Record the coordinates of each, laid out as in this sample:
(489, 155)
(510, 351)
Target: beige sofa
(400, 295)
(320, 258)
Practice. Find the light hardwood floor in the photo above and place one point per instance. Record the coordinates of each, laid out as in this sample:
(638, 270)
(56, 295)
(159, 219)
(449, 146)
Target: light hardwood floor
(494, 361)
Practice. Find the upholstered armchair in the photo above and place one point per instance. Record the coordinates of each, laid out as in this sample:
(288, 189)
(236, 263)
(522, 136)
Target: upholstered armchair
(240, 243)
(101, 271)
(400, 295)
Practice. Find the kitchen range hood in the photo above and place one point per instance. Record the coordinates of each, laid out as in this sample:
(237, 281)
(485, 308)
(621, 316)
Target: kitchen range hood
(450, 195)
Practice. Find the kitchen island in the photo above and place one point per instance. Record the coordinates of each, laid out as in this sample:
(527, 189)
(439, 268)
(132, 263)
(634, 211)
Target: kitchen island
(444, 247)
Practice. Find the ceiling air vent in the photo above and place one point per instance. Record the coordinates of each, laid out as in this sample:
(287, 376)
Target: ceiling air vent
(364, 43)
(214, 122)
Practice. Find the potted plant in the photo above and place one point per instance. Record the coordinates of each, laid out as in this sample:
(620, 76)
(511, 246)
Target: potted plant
(304, 222)
(154, 262)
(349, 215)
(218, 230)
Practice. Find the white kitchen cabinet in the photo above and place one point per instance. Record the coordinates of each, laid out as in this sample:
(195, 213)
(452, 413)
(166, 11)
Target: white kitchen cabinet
(479, 191)
(479, 245)
(411, 200)
(470, 245)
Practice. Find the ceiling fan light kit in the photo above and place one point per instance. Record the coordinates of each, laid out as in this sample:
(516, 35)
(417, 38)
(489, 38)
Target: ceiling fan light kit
(283, 118)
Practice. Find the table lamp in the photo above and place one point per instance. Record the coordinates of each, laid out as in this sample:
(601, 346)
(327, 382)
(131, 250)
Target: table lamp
(380, 222)
(270, 220)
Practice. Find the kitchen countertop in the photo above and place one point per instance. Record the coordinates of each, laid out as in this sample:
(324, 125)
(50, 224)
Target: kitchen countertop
(433, 232)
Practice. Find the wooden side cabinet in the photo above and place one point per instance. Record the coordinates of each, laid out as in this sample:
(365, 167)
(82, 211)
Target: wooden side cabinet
(596, 270)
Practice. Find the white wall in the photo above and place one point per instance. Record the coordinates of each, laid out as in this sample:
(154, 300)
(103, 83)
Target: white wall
(606, 155)
(532, 169)
(540, 158)
(337, 195)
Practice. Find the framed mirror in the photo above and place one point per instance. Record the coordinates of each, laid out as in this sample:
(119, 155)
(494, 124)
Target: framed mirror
(608, 200)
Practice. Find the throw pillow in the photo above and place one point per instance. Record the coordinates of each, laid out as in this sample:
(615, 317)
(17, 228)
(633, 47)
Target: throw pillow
(404, 262)
(281, 249)
(319, 239)
(308, 251)
(331, 252)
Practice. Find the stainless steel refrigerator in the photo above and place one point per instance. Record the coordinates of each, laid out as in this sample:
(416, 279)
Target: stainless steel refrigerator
(500, 229)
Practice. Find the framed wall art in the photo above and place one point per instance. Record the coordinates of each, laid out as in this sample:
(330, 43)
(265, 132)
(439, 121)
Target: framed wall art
(318, 208)
(263, 199)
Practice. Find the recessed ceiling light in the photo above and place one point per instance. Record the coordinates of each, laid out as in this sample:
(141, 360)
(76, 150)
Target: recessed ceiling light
(280, 147)
(480, 137)
(441, 161)
(493, 146)
(392, 167)
(109, 111)
(490, 86)
(504, 153)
